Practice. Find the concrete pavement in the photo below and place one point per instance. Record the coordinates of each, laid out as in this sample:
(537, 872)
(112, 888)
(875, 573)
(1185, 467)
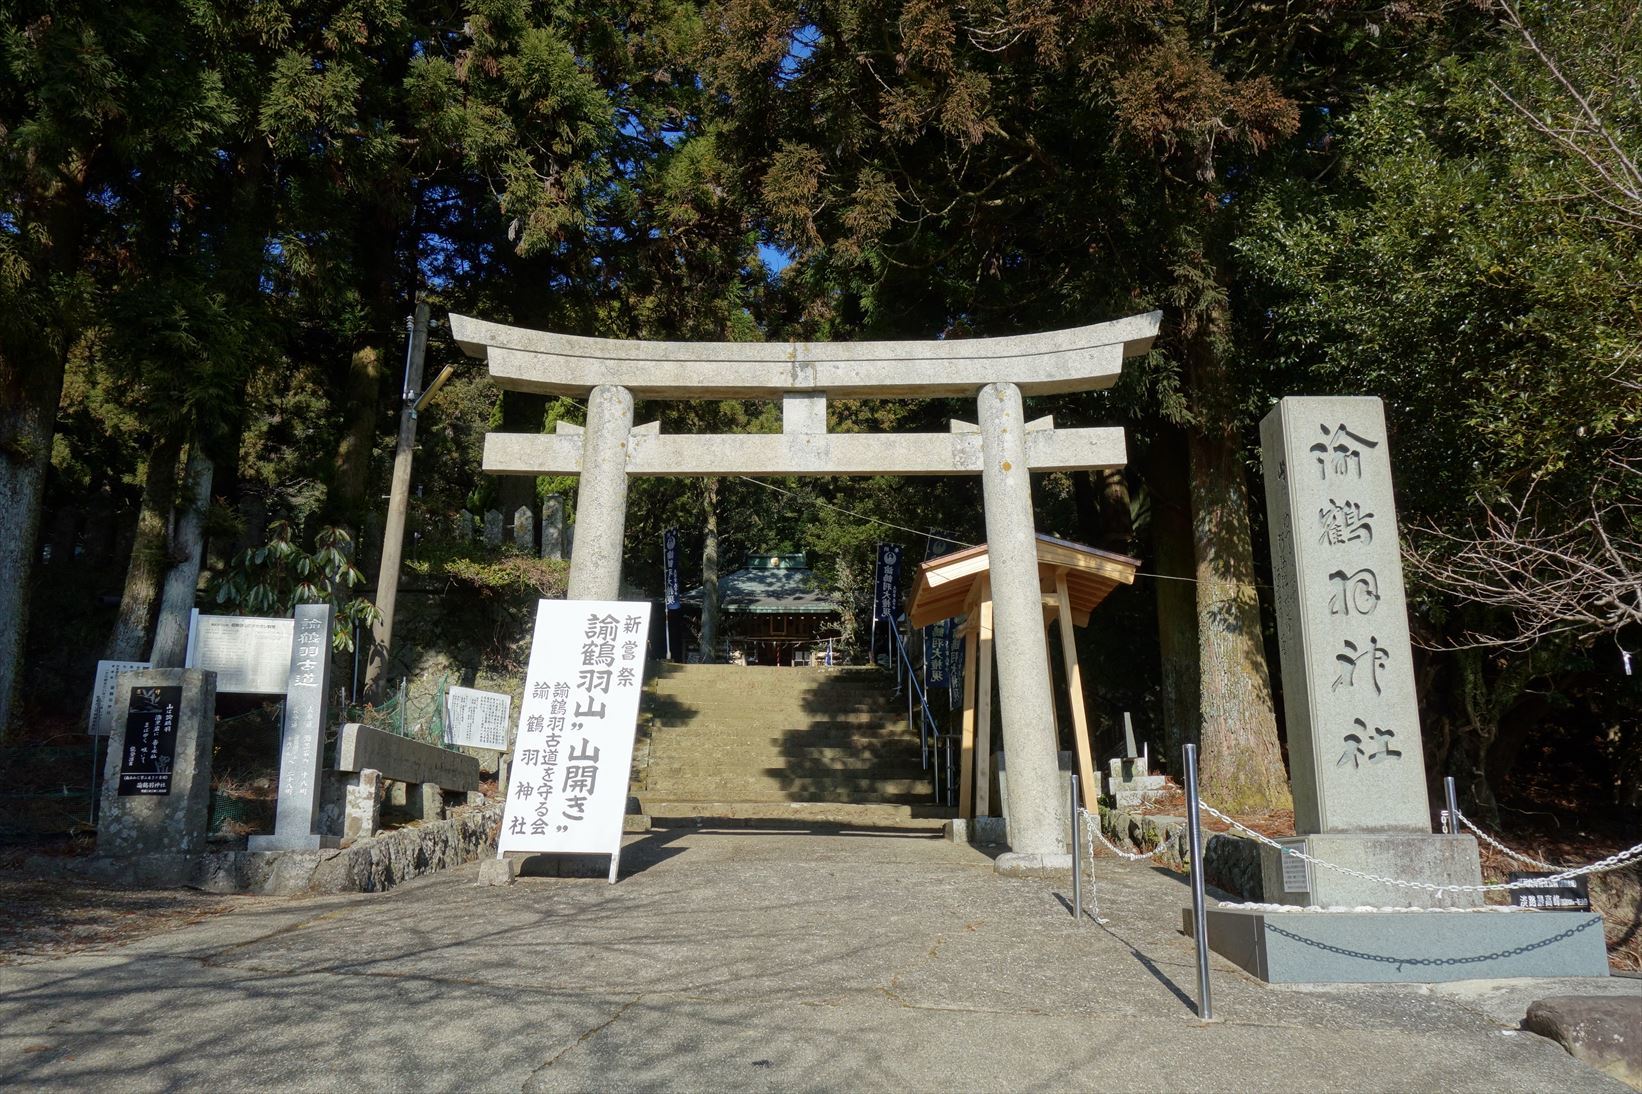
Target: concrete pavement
(742, 959)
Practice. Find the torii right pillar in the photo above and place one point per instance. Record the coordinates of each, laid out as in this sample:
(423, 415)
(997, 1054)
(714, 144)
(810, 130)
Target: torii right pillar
(1038, 821)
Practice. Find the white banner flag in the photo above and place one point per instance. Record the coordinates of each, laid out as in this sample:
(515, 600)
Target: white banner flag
(573, 753)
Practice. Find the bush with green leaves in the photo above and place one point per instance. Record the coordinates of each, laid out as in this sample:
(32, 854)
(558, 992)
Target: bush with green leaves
(274, 578)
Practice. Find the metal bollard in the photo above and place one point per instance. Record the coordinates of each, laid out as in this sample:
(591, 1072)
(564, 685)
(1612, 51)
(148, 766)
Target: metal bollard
(1077, 858)
(1452, 824)
(1200, 923)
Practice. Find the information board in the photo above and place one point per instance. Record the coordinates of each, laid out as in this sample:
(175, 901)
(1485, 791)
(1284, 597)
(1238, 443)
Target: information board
(150, 741)
(1296, 871)
(477, 719)
(105, 695)
(251, 655)
(573, 752)
(1571, 894)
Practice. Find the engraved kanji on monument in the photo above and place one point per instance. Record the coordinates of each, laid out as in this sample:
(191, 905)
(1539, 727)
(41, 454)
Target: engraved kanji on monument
(302, 738)
(1342, 622)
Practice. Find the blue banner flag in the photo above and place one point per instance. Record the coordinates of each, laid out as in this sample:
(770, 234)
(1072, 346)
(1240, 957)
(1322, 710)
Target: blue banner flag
(669, 568)
(938, 642)
(886, 582)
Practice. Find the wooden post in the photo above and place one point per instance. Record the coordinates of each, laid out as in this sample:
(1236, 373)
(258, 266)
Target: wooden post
(1074, 688)
(983, 719)
(966, 767)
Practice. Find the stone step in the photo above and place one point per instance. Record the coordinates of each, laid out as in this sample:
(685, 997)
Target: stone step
(696, 705)
(791, 788)
(798, 794)
(750, 736)
(906, 817)
(779, 750)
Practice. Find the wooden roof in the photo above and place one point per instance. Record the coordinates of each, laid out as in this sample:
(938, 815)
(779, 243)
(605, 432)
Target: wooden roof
(947, 585)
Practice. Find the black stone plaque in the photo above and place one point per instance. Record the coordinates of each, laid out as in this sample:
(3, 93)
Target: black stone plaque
(150, 741)
(1568, 895)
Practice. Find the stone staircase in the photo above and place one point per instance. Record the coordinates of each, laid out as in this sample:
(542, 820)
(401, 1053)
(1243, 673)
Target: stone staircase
(805, 744)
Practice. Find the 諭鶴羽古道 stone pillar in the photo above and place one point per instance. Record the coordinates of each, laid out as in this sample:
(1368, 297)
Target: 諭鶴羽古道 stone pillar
(1036, 818)
(601, 496)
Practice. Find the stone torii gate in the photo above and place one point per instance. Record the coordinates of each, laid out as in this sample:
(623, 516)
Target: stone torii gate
(1003, 448)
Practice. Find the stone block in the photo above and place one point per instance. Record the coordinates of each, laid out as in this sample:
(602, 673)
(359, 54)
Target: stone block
(981, 831)
(1297, 947)
(1602, 1031)
(428, 802)
(1438, 860)
(363, 811)
(404, 760)
(157, 783)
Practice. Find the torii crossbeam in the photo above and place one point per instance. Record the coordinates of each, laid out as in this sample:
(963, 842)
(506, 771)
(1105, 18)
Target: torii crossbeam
(1002, 448)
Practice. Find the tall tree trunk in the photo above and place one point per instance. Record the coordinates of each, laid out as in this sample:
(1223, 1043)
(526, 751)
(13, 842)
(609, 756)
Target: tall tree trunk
(29, 390)
(149, 554)
(1174, 563)
(1240, 758)
(350, 481)
(182, 581)
(709, 572)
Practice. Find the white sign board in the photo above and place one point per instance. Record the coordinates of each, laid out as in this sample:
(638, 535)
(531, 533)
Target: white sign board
(105, 693)
(573, 752)
(251, 655)
(477, 719)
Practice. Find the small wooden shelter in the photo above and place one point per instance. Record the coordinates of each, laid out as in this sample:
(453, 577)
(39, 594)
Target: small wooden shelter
(1073, 579)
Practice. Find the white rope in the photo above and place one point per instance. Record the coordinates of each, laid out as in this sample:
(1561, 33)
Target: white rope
(1612, 862)
(1498, 846)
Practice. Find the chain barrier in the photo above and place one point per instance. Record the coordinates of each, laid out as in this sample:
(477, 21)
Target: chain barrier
(1612, 862)
(1092, 823)
(1498, 846)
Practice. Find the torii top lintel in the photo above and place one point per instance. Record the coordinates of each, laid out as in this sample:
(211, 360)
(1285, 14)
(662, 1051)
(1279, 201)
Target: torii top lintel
(1054, 362)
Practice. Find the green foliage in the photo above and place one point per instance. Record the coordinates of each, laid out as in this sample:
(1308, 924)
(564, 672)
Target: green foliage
(273, 578)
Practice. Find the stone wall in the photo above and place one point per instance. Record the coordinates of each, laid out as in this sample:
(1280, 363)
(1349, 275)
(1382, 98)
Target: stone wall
(1230, 863)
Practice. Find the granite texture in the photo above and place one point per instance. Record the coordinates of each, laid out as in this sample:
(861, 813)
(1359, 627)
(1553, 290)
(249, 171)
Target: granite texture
(162, 824)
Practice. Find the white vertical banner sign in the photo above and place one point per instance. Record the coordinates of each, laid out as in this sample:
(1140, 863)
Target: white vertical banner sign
(573, 753)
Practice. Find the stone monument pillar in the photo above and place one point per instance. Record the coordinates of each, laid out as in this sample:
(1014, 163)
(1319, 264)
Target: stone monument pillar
(524, 528)
(601, 498)
(553, 527)
(1355, 757)
(302, 738)
(1037, 818)
(156, 795)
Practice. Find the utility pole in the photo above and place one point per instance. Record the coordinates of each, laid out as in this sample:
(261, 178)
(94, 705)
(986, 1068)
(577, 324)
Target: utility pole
(393, 536)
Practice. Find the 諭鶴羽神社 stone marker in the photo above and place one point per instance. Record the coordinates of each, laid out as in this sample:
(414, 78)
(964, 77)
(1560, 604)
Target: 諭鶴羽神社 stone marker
(1355, 758)
(302, 738)
(157, 782)
(1356, 762)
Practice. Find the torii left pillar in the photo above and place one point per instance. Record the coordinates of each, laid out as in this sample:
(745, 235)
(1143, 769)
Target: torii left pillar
(601, 496)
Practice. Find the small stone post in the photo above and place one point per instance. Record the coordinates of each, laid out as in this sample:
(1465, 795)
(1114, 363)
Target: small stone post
(493, 528)
(553, 527)
(524, 528)
(1037, 827)
(601, 498)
